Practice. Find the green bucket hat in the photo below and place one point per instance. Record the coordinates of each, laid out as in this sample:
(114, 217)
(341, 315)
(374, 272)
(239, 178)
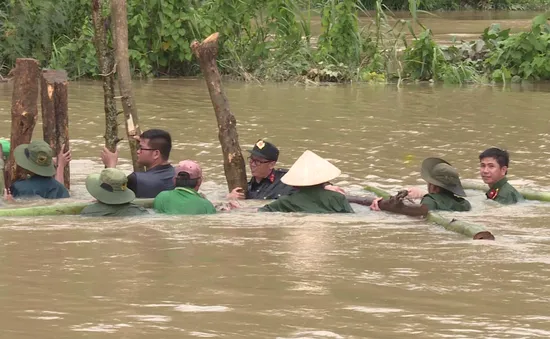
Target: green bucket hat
(439, 172)
(109, 187)
(35, 157)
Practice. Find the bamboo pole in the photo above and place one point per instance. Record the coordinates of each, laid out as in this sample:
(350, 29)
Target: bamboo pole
(120, 39)
(55, 113)
(59, 209)
(476, 232)
(527, 193)
(233, 161)
(24, 110)
(107, 71)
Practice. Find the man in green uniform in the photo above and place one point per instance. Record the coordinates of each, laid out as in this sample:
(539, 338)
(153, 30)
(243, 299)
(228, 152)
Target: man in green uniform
(185, 198)
(445, 192)
(493, 167)
(309, 174)
(114, 198)
(37, 161)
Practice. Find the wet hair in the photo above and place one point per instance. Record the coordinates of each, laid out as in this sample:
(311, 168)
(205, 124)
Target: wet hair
(501, 156)
(183, 179)
(159, 139)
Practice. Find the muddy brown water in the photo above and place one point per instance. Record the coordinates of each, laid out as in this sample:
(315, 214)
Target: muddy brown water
(244, 274)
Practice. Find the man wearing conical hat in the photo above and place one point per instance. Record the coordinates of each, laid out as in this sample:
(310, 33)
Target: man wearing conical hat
(445, 192)
(114, 198)
(309, 175)
(36, 159)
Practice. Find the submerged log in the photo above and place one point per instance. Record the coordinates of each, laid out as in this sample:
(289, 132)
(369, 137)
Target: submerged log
(233, 161)
(59, 209)
(120, 39)
(527, 193)
(55, 114)
(106, 62)
(476, 232)
(24, 110)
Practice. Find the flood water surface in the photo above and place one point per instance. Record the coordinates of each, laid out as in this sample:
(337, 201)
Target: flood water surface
(252, 275)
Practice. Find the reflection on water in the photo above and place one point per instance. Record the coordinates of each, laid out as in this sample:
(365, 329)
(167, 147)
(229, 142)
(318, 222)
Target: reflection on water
(244, 274)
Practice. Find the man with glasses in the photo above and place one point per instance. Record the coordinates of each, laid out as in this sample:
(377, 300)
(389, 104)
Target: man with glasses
(153, 152)
(266, 180)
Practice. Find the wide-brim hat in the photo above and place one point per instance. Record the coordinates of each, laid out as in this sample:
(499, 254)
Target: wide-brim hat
(439, 172)
(109, 187)
(310, 170)
(35, 157)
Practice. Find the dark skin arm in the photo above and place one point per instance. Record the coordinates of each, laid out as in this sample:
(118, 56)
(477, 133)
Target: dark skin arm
(394, 204)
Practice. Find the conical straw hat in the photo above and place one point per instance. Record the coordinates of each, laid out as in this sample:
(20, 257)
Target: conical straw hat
(309, 170)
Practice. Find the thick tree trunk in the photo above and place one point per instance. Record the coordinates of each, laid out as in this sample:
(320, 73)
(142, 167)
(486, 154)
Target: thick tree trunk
(24, 110)
(107, 69)
(233, 161)
(55, 113)
(120, 39)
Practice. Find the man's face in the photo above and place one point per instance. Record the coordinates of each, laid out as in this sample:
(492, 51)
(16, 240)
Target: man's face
(260, 167)
(146, 155)
(490, 170)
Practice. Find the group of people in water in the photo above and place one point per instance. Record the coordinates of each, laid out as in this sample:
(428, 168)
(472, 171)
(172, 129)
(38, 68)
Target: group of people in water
(305, 187)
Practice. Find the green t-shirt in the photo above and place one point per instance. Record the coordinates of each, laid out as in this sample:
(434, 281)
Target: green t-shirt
(504, 193)
(445, 201)
(45, 187)
(100, 209)
(310, 199)
(182, 200)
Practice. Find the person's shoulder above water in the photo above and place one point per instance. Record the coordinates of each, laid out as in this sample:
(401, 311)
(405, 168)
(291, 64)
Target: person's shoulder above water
(504, 193)
(445, 202)
(100, 209)
(45, 187)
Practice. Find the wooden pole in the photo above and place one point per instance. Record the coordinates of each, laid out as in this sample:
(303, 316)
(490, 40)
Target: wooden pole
(233, 161)
(476, 232)
(55, 113)
(106, 62)
(24, 110)
(120, 39)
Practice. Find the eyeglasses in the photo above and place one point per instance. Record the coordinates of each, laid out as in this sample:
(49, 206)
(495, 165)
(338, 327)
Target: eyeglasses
(139, 148)
(257, 161)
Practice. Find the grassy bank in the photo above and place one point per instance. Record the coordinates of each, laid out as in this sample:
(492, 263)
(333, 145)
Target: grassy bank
(271, 40)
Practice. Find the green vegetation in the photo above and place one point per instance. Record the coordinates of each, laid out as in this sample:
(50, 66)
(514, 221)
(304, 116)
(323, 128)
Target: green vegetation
(449, 5)
(271, 40)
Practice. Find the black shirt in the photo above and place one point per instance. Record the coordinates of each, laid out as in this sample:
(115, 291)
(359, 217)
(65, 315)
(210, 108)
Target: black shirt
(151, 182)
(269, 188)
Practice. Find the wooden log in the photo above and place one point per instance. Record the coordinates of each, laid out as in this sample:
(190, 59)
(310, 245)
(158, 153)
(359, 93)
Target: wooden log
(24, 110)
(59, 209)
(527, 193)
(106, 62)
(55, 113)
(233, 161)
(120, 38)
(475, 231)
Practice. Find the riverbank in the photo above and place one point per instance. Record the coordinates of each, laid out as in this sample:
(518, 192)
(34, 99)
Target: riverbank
(283, 40)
